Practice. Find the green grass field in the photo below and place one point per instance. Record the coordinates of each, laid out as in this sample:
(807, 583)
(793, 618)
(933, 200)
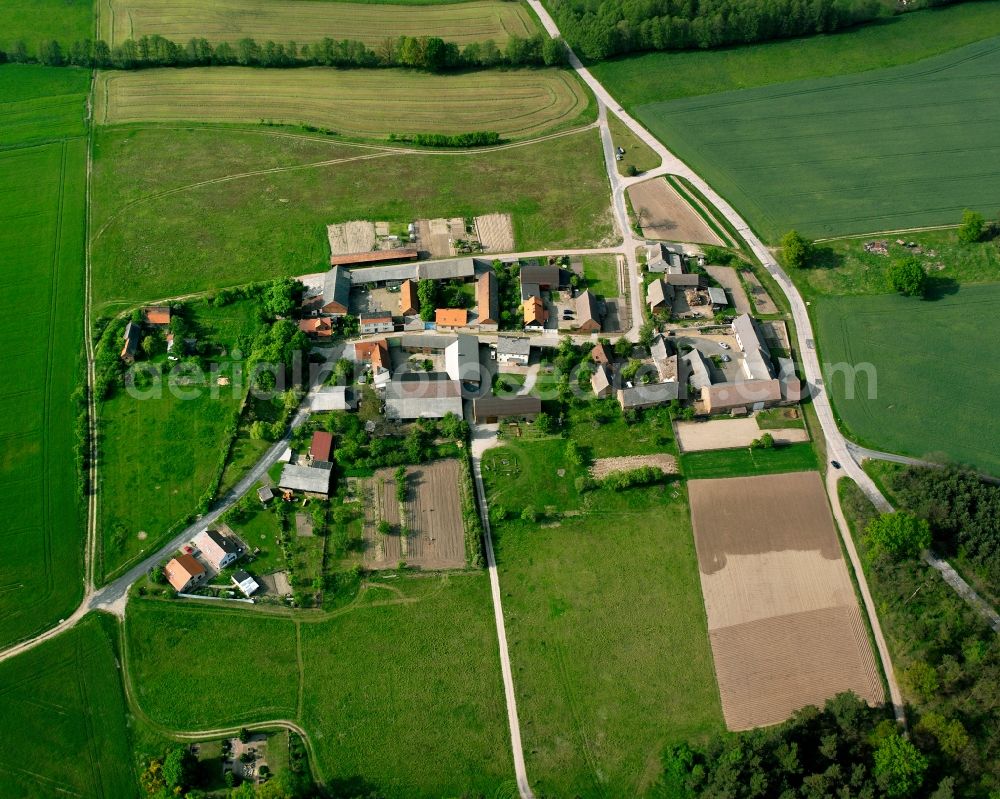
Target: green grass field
(228, 232)
(32, 21)
(655, 77)
(41, 104)
(304, 21)
(605, 624)
(744, 462)
(42, 190)
(897, 148)
(601, 274)
(400, 692)
(159, 454)
(637, 153)
(934, 362)
(843, 267)
(63, 710)
(357, 103)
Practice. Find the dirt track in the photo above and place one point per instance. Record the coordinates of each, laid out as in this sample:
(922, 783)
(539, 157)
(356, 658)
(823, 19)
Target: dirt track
(664, 215)
(783, 620)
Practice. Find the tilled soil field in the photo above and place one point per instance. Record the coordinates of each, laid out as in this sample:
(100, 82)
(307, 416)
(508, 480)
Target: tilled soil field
(784, 624)
(432, 515)
(664, 215)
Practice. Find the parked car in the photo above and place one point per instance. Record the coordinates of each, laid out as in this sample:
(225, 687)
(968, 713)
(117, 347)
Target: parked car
(835, 464)
(726, 359)
(723, 345)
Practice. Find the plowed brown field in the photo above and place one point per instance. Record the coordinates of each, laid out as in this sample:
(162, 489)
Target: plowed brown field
(783, 620)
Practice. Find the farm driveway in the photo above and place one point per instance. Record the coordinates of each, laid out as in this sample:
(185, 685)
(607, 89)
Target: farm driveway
(729, 433)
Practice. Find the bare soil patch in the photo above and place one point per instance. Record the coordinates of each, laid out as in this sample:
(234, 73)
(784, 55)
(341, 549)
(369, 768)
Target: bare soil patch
(729, 433)
(496, 232)
(432, 515)
(663, 214)
(351, 237)
(602, 467)
(784, 624)
(761, 299)
(730, 281)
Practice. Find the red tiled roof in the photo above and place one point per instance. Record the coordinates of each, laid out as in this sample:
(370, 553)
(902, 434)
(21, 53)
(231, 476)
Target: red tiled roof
(322, 446)
(374, 256)
(451, 317)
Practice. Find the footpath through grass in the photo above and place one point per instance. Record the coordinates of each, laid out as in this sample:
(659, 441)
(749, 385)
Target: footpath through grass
(605, 620)
(64, 716)
(809, 155)
(655, 77)
(42, 196)
(932, 371)
(253, 228)
(399, 692)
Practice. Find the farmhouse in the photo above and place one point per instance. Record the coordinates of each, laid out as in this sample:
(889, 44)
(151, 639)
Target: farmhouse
(756, 355)
(791, 386)
(423, 399)
(313, 481)
(659, 297)
(749, 394)
(600, 355)
(374, 256)
(425, 343)
(409, 303)
(376, 323)
(661, 259)
(244, 582)
(157, 315)
(336, 292)
(131, 339)
(450, 269)
(183, 573)
(461, 360)
(332, 398)
(697, 368)
(513, 350)
(546, 278)
(649, 396)
(487, 410)
(667, 365)
(488, 301)
(600, 381)
(682, 280)
(321, 446)
(318, 326)
(218, 547)
(588, 313)
(451, 318)
(374, 352)
(535, 314)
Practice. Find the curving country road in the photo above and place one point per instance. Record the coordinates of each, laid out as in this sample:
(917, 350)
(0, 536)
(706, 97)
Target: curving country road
(836, 444)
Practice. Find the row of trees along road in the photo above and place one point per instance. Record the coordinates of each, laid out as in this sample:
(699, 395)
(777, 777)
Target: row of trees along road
(417, 52)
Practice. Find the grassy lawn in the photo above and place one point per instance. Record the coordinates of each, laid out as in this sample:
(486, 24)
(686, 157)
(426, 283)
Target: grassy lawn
(601, 274)
(744, 462)
(514, 103)
(305, 22)
(64, 712)
(780, 419)
(32, 21)
(243, 664)
(400, 692)
(637, 152)
(263, 531)
(653, 77)
(610, 652)
(601, 430)
(796, 155)
(228, 233)
(843, 267)
(160, 453)
(42, 196)
(934, 379)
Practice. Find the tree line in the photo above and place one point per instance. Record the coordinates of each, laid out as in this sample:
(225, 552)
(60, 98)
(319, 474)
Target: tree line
(600, 29)
(429, 53)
